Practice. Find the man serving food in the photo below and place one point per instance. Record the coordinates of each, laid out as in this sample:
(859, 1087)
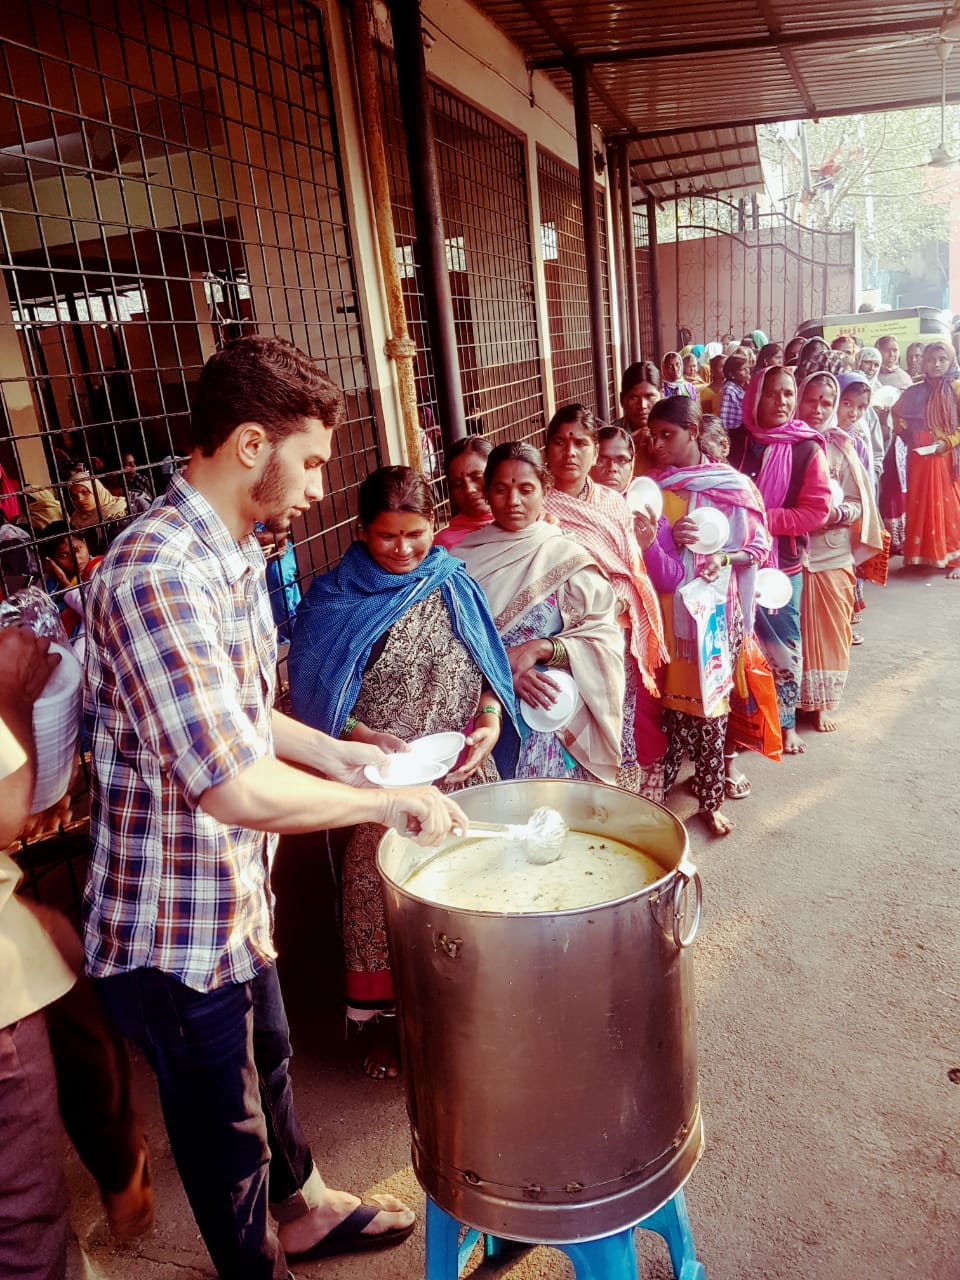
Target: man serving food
(194, 774)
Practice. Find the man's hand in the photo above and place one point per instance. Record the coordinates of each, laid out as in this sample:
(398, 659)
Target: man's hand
(25, 667)
(423, 813)
(345, 760)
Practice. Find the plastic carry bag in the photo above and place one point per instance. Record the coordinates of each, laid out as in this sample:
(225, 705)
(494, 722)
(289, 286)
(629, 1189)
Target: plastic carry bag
(754, 722)
(706, 603)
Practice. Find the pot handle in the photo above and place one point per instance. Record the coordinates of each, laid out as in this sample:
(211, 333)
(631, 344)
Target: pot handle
(687, 874)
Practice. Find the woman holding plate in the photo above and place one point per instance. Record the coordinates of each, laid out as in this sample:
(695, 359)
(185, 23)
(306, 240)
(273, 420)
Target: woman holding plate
(787, 460)
(602, 522)
(851, 534)
(693, 483)
(554, 611)
(395, 643)
(927, 418)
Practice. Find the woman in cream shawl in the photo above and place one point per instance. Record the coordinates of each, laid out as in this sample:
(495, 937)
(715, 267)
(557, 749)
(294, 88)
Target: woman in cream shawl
(852, 533)
(553, 608)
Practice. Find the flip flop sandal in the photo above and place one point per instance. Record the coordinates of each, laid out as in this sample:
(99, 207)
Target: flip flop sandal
(856, 638)
(736, 788)
(347, 1236)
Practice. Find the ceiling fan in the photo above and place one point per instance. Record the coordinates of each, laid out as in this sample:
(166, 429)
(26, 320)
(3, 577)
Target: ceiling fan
(940, 157)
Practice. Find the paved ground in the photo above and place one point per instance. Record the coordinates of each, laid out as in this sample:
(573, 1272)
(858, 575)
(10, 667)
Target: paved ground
(829, 1001)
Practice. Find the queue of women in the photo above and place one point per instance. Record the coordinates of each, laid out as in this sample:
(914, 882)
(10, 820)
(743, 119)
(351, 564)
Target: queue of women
(546, 573)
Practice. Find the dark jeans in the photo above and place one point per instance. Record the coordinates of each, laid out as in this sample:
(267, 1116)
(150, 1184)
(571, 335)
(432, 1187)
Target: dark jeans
(221, 1060)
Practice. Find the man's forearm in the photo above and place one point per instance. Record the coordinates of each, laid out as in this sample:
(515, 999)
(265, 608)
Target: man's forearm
(300, 744)
(273, 796)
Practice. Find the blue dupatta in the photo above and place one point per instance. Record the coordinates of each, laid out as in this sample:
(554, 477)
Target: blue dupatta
(347, 610)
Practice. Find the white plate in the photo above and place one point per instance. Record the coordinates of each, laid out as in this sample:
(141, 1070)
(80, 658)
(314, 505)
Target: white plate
(714, 530)
(774, 588)
(925, 448)
(644, 492)
(836, 493)
(405, 769)
(442, 747)
(558, 716)
(56, 726)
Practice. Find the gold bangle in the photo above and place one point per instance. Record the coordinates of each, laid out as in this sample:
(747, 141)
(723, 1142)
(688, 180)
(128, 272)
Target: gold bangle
(349, 725)
(559, 655)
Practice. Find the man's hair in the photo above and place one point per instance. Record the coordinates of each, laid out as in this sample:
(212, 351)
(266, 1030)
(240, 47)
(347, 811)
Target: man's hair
(264, 380)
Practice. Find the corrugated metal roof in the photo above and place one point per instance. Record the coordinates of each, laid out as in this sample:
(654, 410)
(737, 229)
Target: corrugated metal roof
(710, 71)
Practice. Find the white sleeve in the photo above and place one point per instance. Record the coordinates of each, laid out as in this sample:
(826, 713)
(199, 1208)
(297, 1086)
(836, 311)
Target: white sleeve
(12, 755)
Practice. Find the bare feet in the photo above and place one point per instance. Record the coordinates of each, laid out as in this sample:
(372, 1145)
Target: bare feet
(717, 823)
(792, 743)
(954, 574)
(824, 723)
(328, 1208)
(383, 1054)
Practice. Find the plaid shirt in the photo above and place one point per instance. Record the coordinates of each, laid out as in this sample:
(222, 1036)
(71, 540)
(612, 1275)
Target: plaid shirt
(731, 405)
(181, 662)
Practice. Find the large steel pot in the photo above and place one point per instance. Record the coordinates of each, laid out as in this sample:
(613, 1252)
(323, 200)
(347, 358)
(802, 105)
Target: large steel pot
(550, 1059)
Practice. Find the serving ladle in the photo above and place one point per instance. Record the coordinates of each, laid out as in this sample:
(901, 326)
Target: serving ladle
(542, 837)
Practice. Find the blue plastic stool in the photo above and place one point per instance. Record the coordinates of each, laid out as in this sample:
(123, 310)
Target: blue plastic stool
(611, 1257)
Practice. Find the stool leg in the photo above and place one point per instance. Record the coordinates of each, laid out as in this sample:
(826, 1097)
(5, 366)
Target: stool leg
(445, 1256)
(671, 1222)
(612, 1258)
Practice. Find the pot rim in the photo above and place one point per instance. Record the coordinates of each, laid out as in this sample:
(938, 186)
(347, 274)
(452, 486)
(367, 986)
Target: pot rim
(649, 891)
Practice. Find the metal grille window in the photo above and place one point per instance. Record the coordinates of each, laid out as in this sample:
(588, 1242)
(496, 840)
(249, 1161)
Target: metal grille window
(484, 197)
(169, 179)
(612, 387)
(568, 299)
(568, 295)
(649, 344)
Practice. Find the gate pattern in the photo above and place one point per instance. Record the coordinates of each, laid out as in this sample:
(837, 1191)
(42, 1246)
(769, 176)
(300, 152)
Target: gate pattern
(727, 267)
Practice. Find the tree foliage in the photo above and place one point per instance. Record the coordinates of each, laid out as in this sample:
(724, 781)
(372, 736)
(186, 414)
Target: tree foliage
(868, 171)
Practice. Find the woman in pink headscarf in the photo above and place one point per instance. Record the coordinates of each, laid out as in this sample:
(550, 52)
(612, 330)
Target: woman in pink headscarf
(787, 461)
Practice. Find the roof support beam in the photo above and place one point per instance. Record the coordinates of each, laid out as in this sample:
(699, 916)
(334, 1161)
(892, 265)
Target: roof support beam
(658, 179)
(543, 20)
(776, 30)
(901, 104)
(591, 236)
(861, 35)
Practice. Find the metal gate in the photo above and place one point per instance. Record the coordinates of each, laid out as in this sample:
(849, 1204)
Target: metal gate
(729, 267)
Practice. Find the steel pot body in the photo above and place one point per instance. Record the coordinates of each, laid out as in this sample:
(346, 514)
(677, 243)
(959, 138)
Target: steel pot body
(550, 1059)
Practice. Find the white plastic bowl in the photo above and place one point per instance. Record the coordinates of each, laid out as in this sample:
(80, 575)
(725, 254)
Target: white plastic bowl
(442, 747)
(713, 527)
(643, 493)
(405, 769)
(557, 716)
(773, 589)
(56, 726)
(836, 493)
